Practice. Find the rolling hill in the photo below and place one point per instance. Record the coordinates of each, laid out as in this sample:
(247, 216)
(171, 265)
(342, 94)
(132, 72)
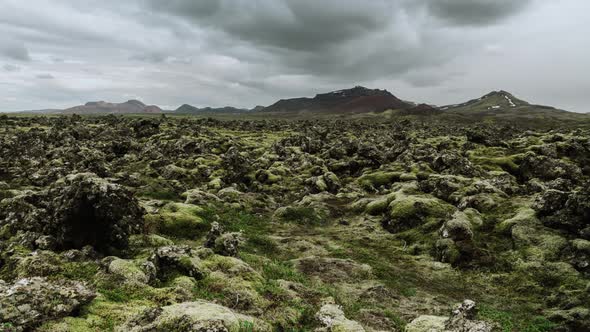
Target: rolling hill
(189, 109)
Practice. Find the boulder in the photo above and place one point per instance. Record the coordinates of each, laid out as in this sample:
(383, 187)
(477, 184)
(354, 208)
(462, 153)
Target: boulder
(31, 301)
(426, 323)
(199, 197)
(76, 211)
(407, 212)
(462, 319)
(225, 244)
(332, 319)
(191, 316)
(228, 244)
(176, 259)
(566, 211)
(129, 271)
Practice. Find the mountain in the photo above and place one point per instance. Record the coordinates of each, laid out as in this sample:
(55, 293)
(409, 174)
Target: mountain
(189, 109)
(502, 103)
(356, 100)
(101, 107)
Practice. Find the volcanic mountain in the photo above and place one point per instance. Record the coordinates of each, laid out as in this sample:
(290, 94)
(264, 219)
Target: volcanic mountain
(101, 107)
(504, 104)
(356, 100)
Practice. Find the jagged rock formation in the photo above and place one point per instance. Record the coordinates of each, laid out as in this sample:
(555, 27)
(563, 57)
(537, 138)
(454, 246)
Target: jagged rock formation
(76, 211)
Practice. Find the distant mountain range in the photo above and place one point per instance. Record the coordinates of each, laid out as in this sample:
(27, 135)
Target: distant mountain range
(355, 101)
(101, 107)
(189, 109)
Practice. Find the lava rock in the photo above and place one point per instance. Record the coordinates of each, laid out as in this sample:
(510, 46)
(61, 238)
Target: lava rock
(30, 301)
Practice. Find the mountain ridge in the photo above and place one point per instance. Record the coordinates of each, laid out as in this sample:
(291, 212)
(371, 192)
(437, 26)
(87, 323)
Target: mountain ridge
(102, 107)
(358, 100)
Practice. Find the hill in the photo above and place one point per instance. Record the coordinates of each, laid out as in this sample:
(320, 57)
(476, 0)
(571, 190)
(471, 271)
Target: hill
(189, 109)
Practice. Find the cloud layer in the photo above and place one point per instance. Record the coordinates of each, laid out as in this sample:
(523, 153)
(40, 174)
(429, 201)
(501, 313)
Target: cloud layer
(248, 52)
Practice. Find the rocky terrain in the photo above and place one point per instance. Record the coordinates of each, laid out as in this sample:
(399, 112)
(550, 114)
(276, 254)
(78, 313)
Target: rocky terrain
(161, 223)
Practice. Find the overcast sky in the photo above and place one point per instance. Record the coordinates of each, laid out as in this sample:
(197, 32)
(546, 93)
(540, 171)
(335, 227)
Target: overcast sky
(60, 53)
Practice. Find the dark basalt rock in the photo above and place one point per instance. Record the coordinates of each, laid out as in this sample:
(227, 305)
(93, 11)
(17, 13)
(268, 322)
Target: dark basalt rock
(76, 211)
(566, 211)
(31, 301)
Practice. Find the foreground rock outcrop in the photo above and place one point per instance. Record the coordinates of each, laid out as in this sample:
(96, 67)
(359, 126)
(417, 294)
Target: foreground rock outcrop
(28, 302)
(462, 319)
(192, 316)
(76, 211)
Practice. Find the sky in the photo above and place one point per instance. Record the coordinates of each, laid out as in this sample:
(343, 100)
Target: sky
(243, 53)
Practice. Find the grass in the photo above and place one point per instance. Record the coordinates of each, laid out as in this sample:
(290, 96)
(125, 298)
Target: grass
(398, 322)
(303, 216)
(281, 270)
(205, 289)
(235, 220)
(115, 295)
(81, 271)
(515, 321)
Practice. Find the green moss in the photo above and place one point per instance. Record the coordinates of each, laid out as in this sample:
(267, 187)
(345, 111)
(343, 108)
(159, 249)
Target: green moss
(495, 159)
(408, 177)
(215, 183)
(406, 212)
(158, 189)
(148, 241)
(379, 205)
(82, 271)
(180, 220)
(378, 179)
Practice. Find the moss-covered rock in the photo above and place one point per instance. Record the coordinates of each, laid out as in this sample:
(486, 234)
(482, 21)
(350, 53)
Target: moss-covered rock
(197, 315)
(427, 323)
(128, 270)
(375, 180)
(179, 220)
(332, 318)
(406, 212)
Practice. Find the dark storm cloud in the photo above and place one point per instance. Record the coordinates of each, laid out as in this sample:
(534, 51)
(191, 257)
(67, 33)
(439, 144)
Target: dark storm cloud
(343, 39)
(248, 52)
(295, 25)
(476, 12)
